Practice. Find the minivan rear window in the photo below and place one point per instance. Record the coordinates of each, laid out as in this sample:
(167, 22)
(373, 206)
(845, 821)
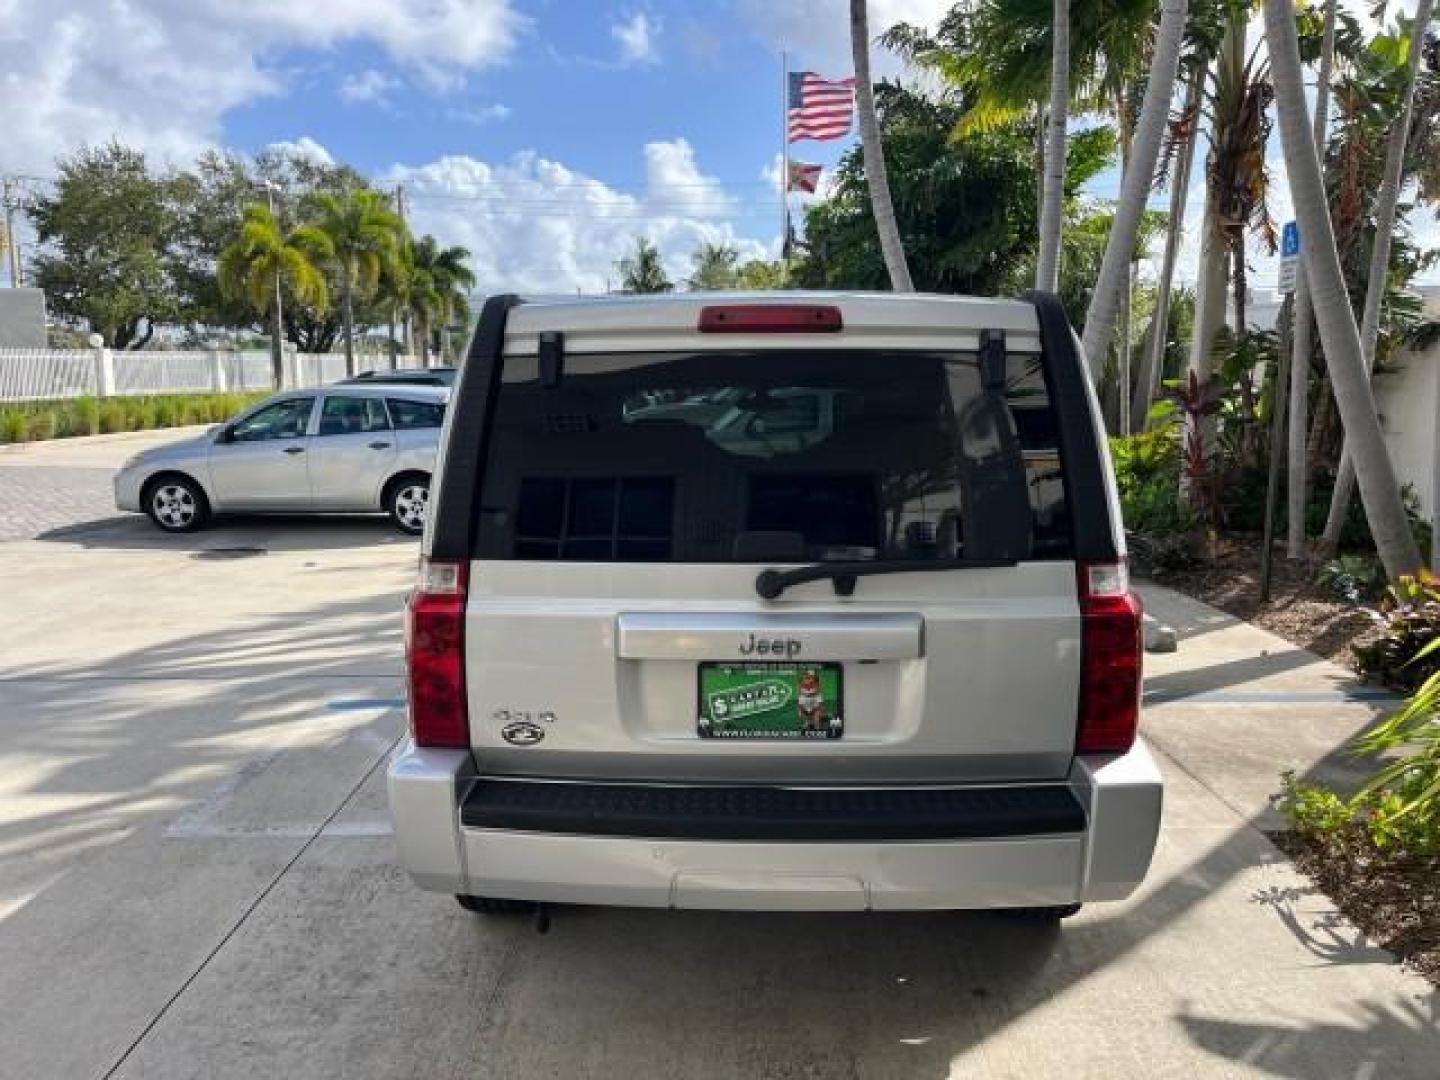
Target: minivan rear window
(772, 456)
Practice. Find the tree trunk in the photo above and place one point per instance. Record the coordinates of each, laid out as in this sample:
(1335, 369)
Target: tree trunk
(1209, 314)
(1047, 262)
(1154, 360)
(1106, 300)
(422, 333)
(348, 289)
(1435, 477)
(1339, 335)
(1385, 203)
(1209, 290)
(875, 175)
(1297, 485)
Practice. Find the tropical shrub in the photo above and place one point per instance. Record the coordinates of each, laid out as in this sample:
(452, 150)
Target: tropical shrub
(1352, 578)
(1403, 657)
(1403, 798)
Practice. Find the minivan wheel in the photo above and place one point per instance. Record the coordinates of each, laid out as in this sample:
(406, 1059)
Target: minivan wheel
(493, 905)
(408, 502)
(176, 504)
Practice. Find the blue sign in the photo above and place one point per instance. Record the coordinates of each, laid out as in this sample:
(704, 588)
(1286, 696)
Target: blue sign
(1290, 240)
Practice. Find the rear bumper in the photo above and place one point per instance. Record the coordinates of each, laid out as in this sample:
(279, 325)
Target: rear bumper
(1099, 854)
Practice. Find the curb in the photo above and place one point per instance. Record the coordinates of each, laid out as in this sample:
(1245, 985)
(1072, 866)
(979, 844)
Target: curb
(1159, 638)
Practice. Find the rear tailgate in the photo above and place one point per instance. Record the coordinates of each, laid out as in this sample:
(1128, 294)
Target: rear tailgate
(945, 675)
(637, 482)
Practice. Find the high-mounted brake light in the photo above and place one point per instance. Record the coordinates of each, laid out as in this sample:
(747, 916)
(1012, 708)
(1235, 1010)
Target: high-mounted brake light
(770, 319)
(435, 656)
(1110, 660)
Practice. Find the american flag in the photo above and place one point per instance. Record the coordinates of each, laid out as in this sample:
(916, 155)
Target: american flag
(819, 108)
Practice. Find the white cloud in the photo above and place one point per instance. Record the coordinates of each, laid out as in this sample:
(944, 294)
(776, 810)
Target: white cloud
(479, 115)
(160, 74)
(368, 87)
(636, 38)
(534, 225)
(303, 147)
(816, 33)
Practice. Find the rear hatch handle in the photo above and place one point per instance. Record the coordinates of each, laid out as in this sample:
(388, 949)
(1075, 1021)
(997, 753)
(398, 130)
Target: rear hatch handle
(769, 584)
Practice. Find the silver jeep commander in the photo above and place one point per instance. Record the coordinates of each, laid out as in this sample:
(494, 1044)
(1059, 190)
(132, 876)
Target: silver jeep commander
(777, 601)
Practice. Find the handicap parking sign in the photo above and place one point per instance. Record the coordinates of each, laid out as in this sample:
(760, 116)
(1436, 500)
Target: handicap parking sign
(1290, 240)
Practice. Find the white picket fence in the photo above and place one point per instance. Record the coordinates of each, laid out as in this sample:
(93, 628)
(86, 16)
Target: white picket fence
(43, 374)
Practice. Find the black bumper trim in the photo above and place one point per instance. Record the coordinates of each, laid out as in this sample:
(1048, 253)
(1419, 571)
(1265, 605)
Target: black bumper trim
(771, 813)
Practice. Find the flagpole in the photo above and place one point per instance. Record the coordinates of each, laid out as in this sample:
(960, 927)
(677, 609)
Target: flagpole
(785, 165)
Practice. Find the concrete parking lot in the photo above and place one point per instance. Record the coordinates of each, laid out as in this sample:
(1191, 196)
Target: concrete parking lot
(197, 877)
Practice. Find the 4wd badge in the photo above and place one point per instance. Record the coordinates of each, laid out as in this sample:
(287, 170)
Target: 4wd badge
(522, 733)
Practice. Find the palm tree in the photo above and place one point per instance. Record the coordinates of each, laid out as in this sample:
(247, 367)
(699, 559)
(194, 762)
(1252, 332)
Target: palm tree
(714, 266)
(263, 259)
(876, 177)
(1385, 203)
(1297, 483)
(365, 235)
(1339, 336)
(1047, 264)
(1135, 192)
(642, 271)
(1184, 140)
(439, 282)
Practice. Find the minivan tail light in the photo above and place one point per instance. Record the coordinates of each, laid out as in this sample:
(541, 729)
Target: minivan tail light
(435, 656)
(1110, 660)
(770, 319)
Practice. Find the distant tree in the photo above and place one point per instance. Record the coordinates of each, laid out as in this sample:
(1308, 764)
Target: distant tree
(642, 270)
(365, 235)
(714, 266)
(439, 280)
(761, 274)
(104, 233)
(265, 261)
(213, 196)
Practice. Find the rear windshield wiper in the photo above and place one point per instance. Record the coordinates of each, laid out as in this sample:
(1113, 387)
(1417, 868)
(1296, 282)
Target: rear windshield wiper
(771, 583)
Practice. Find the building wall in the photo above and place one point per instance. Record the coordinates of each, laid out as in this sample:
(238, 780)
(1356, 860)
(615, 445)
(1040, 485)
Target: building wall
(22, 319)
(1404, 397)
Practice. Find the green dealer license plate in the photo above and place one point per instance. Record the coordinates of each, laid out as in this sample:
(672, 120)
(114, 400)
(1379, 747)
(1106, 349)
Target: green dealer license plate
(771, 701)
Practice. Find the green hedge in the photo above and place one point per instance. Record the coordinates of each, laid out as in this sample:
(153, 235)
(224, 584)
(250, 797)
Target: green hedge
(32, 421)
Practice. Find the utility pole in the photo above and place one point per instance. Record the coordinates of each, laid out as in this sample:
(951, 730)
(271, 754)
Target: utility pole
(405, 312)
(12, 239)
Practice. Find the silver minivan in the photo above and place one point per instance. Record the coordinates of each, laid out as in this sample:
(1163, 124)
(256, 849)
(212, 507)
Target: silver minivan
(787, 601)
(339, 449)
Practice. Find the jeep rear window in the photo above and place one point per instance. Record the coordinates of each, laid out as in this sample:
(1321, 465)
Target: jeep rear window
(787, 455)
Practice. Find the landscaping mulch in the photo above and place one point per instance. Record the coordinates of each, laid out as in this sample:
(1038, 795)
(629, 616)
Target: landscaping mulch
(1298, 610)
(1393, 898)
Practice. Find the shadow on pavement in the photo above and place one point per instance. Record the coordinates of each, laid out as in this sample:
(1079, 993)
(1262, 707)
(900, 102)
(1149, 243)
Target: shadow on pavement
(279, 532)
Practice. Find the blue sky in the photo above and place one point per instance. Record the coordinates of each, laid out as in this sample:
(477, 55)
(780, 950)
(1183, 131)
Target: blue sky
(541, 134)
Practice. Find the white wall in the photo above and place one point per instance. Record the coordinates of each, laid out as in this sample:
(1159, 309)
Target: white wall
(1405, 399)
(22, 319)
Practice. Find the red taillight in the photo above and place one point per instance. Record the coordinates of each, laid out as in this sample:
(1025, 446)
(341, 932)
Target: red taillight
(770, 319)
(435, 656)
(1110, 657)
